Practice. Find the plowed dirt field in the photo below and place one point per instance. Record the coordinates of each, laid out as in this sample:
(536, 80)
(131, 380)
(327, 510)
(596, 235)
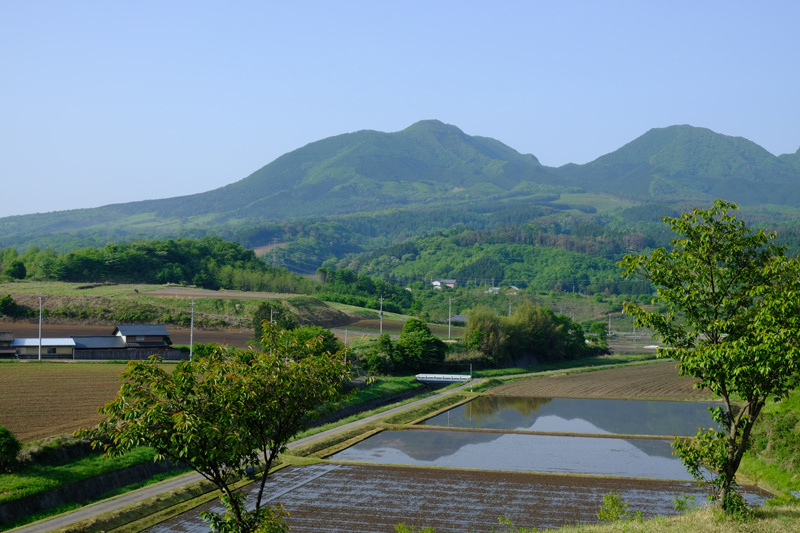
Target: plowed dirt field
(39, 400)
(656, 381)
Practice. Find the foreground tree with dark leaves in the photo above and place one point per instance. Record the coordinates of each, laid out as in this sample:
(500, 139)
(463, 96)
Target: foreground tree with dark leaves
(224, 413)
(731, 320)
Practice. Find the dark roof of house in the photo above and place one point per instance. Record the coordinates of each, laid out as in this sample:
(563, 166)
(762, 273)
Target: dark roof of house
(99, 343)
(147, 345)
(458, 318)
(141, 330)
(6, 336)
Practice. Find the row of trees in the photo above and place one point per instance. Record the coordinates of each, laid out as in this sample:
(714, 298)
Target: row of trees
(530, 333)
(209, 262)
(417, 349)
(337, 285)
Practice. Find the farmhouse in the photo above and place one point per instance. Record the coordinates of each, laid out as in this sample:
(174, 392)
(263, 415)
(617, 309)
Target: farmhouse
(6, 350)
(144, 336)
(126, 343)
(51, 348)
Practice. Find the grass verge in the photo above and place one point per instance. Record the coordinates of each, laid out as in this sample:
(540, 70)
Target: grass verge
(34, 478)
(589, 363)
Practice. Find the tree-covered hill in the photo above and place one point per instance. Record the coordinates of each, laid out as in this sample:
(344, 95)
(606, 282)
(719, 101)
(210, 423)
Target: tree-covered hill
(357, 189)
(791, 159)
(682, 163)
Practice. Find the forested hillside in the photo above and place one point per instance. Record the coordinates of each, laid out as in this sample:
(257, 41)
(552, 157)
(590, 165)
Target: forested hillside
(429, 167)
(209, 263)
(685, 163)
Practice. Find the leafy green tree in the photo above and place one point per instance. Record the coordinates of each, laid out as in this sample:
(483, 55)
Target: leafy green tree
(381, 358)
(272, 311)
(418, 346)
(731, 316)
(222, 413)
(531, 331)
(16, 270)
(9, 448)
(484, 333)
(9, 307)
(327, 340)
(537, 331)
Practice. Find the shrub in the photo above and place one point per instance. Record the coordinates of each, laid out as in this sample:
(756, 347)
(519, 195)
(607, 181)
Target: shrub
(9, 448)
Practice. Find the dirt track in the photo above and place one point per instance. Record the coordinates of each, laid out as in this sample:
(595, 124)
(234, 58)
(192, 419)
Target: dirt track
(186, 292)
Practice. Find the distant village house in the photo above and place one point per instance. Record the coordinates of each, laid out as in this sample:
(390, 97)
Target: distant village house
(126, 343)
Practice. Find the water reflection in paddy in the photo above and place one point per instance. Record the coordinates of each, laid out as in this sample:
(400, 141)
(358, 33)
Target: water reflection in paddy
(522, 453)
(575, 415)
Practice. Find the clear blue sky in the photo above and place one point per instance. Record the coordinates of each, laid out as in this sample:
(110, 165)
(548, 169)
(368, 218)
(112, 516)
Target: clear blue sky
(112, 101)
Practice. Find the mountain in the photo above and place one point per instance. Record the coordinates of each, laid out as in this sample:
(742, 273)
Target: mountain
(792, 160)
(425, 163)
(688, 163)
(431, 165)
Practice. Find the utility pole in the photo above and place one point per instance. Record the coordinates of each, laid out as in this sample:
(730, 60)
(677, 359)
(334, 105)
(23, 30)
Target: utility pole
(449, 316)
(271, 330)
(40, 328)
(381, 314)
(191, 334)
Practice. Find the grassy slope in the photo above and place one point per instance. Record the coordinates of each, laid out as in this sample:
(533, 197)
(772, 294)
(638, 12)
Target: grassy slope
(774, 457)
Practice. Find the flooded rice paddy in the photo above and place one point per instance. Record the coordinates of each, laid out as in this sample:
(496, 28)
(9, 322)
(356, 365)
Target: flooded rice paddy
(368, 499)
(540, 462)
(520, 453)
(578, 415)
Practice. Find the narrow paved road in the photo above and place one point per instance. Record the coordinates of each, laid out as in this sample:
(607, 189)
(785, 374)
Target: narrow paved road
(91, 511)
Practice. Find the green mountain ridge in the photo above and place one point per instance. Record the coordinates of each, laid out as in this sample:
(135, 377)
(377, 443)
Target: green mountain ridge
(431, 165)
(685, 162)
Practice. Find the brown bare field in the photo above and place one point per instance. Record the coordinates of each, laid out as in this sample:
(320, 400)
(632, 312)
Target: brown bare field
(657, 380)
(49, 399)
(39, 400)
